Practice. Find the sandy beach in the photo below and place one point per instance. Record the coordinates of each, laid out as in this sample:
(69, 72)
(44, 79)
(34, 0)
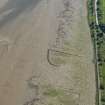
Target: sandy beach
(46, 53)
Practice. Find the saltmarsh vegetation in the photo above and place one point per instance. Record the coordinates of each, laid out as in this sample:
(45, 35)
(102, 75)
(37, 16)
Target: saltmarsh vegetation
(99, 32)
(57, 96)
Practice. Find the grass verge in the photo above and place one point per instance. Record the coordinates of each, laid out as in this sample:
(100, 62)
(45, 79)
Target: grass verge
(100, 41)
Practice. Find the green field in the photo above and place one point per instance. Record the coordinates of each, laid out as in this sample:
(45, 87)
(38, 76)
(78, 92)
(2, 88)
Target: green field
(101, 11)
(101, 46)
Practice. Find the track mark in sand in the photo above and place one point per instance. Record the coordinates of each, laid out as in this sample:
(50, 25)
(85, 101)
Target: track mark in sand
(48, 94)
(33, 91)
(59, 50)
(65, 53)
(32, 82)
(32, 102)
(64, 18)
(4, 46)
(56, 53)
(64, 24)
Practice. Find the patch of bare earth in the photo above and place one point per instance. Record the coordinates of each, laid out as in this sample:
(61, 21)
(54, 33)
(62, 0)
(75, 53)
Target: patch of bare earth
(46, 56)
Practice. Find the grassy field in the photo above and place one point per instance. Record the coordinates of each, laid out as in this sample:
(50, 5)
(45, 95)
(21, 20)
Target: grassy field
(102, 69)
(101, 14)
(101, 11)
(101, 47)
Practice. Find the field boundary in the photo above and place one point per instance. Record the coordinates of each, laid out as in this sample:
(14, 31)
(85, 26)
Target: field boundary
(92, 24)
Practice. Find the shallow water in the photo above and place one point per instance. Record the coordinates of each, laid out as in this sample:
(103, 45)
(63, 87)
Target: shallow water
(17, 7)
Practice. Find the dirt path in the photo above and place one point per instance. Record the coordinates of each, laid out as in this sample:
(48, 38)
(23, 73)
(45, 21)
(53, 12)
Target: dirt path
(39, 32)
(97, 22)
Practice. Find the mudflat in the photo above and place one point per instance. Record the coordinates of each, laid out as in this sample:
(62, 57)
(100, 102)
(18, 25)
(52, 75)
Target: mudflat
(46, 53)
